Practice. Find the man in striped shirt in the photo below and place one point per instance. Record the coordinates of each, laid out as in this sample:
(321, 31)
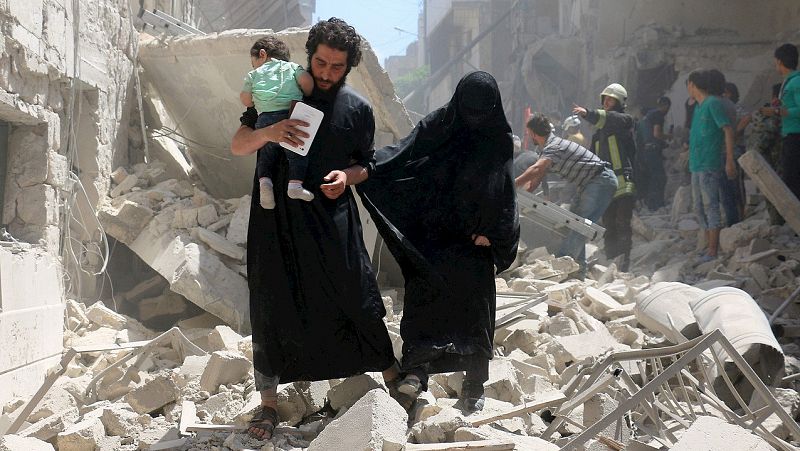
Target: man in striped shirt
(593, 177)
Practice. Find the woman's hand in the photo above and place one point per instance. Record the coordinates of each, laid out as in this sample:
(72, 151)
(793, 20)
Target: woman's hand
(481, 240)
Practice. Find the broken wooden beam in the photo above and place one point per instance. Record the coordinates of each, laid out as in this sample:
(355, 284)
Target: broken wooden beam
(773, 187)
(549, 400)
(482, 445)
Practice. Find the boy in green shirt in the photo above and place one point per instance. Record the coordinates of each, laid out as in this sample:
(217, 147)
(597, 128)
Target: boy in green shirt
(789, 113)
(272, 86)
(711, 128)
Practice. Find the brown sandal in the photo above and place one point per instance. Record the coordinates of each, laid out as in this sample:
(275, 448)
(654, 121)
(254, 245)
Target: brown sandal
(265, 418)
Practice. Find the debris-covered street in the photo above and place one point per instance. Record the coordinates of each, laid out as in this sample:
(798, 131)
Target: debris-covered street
(151, 297)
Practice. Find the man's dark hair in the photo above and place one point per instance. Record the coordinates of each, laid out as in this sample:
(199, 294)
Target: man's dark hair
(664, 101)
(732, 91)
(701, 79)
(717, 82)
(540, 124)
(337, 34)
(274, 47)
(787, 55)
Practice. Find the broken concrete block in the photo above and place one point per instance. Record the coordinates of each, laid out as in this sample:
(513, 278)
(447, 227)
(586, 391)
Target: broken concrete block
(169, 303)
(83, 436)
(598, 303)
(626, 334)
(45, 429)
(124, 221)
(562, 293)
(529, 325)
(223, 407)
(237, 230)
(439, 428)
(153, 395)
(547, 363)
(224, 367)
(588, 345)
(353, 388)
(16, 443)
(120, 421)
(56, 400)
(291, 405)
(119, 175)
(185, 218)
(597, 407)
(103, 316)
(124, 186)
(245, 346)
(223, 338)
(219, 243)
(711, 433)
(562, 326)
(375, 423)
(207, 215)
(790, 402)
(503, 383)
(486, 432)
(741, 234)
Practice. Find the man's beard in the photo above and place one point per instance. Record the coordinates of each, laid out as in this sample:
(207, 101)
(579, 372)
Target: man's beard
(332, 86)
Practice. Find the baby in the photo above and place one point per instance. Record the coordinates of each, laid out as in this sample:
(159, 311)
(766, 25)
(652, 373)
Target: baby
(272, 86)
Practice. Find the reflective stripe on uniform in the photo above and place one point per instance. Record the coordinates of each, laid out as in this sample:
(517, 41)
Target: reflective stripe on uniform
(601, 121)
(625, 187)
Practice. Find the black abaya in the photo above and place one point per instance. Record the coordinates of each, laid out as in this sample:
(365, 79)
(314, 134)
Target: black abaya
(315, 307)
(429, 194)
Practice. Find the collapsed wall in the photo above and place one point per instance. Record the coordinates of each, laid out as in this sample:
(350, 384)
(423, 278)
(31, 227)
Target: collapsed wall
(65, 67)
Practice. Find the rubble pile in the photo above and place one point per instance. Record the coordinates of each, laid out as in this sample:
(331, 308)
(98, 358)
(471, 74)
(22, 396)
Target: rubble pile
(551, 328)
(195, 241)
(130, 387)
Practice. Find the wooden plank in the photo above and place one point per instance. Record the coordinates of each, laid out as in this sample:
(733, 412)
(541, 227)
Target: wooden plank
(551, 399)
(483, 445)
(773, 188)
(188, 416)
(43, 389)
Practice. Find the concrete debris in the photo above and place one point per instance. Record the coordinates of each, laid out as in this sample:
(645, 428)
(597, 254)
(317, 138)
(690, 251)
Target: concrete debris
(17, 443)
(710, 433)
(153, 395)
(224, 367)
(86, 435)
(375, 422)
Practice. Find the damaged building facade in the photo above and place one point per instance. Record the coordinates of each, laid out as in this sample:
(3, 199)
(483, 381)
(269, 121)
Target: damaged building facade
(549, 54)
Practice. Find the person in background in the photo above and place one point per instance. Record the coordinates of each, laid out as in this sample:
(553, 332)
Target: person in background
(594, 179)
(789, 112)
(711, 128)
(763, 134)
(731, 189)
(652, 137)
(613, 142)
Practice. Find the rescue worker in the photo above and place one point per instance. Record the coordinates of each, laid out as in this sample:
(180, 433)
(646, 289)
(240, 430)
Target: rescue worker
(613, 142)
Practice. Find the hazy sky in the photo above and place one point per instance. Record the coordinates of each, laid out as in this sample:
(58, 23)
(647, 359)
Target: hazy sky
(375, 20)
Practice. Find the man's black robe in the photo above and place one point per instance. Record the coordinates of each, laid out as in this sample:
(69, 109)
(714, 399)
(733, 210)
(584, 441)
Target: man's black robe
(315, 307)
(428, 195)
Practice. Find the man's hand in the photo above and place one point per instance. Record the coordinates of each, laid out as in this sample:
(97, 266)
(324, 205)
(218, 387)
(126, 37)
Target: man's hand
(730, 169)
(286, 131)
(579, 110)
(337, 181)
(481, 240)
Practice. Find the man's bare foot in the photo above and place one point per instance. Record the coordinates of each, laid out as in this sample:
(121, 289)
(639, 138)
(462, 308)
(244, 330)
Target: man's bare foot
(263, 423)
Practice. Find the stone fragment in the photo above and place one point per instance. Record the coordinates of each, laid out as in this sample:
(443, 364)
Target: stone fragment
(120, 421)
(439, 428)
(219, 243)
(119, 175)
(237, 230)
(503, 383)
(153, 395)
(124, 221)
(486, 432)
(185, 218)
(352, 389)
(597, 407)
(83, 436)
(626, 334)
(598, 303)
(12, 442)
(169, 303)
(103, 316)
(562, 326)
(45, 429)
(207, 215)
(55, 401)
(223, 338)
(125, 185)
(588, 345)
(224, 367)
(711, 434)
(375, 423)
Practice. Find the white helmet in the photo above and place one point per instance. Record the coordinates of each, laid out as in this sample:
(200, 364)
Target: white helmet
(616, 91)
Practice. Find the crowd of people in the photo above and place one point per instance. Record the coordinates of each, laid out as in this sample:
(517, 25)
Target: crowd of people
(443, 199)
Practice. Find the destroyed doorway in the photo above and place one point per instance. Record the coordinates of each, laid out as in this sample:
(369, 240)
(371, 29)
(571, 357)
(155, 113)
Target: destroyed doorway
(654, 83)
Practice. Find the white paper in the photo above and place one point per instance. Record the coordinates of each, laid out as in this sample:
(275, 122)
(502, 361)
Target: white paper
(308, 114)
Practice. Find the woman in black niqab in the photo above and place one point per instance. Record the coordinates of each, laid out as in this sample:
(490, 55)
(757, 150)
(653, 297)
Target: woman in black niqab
(443, 200)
